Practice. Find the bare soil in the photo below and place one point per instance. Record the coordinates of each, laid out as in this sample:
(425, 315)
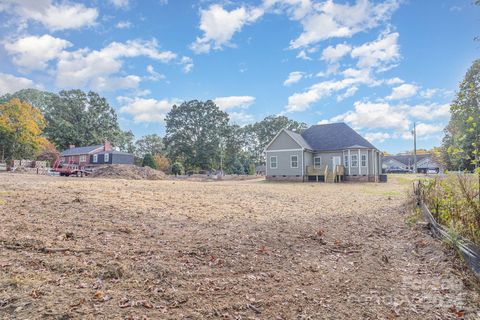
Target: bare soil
(73, 248)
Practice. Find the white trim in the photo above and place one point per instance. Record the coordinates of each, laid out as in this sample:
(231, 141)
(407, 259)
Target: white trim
(291, 156)
(276, 162)
(359, 163)
(284, 150)
(366, 161)
(368, 151)
(315, 157)
(303, 163)
(349, 162)
(95, 158)
(106, 157)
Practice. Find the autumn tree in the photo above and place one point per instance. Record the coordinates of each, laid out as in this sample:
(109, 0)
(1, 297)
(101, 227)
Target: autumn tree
(162, 162)
(21, 128)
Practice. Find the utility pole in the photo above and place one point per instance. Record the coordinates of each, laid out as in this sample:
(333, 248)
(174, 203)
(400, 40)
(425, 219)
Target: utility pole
(414, 132)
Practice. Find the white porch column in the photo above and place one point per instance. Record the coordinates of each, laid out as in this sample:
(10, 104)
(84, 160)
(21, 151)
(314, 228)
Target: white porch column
(349, 161)
(359, 163)
(367, 159)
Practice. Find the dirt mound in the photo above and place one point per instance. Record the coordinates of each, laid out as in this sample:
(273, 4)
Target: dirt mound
(119, 171)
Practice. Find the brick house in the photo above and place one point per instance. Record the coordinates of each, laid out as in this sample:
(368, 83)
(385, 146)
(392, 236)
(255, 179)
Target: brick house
(95, 155)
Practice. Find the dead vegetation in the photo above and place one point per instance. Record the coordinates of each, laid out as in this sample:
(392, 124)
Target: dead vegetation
(119, 171)
(110, 249)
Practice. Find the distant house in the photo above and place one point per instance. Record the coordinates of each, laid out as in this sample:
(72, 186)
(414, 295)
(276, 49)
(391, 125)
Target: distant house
(425, 162)
(95, 155)
(260, 170)
(329, 152)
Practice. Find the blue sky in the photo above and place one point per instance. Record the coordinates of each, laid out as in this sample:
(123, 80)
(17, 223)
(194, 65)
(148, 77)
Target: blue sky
(379, 66)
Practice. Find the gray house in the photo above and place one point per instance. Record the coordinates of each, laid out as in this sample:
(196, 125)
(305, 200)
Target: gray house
(425, 163)
(328, 152)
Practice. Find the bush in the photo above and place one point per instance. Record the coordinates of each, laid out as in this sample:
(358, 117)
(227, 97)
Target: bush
(162, 163)
(149, 161)
(177, 168)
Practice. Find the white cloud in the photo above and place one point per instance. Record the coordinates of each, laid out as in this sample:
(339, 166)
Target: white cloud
(146, 110)
(381, 53)
(187, 64)
(10, 83)
(333, 54)
(240, 118)
(327, 19)
(123, 25)
(394, 81)
(34, 52)
(120, 3)
(429, 112)
(293, 77)
(54, 16)
(81, 68)
(301, 101)
(154, 75)
(428, 93)
(114, 83)
(423, 130)
(375, 115)
(219, 25)
(377, 136)
(303, 55)
(350, 92)
(403, 91)
(231, 102)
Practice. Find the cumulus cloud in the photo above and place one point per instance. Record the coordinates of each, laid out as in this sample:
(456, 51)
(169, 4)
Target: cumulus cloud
(82, 67)
(375, 115)
(293, 77)
(34, 52)
(381, 53)
(423, 130)
(219, 25)
(187, 64)
(232, 102)
(377, 136)
(348, 93)
(301, 101)
(10, 83)
(403, 91)
(332, 54)
(123, 25)
(327, 19)
(154, 75)
(146, 110)
(429, 112)
(54, 16)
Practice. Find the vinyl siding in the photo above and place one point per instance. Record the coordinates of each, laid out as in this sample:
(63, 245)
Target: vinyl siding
(284, 142)
(122, 159)
(283, 163)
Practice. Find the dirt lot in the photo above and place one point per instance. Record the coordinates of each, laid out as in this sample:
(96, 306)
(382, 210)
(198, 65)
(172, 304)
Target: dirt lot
(73, 248)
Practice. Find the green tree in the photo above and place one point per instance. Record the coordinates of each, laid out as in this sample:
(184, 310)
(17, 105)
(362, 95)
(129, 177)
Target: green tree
(151, 143)
(461, 141)
(194, 132)
(177, 168)
(149, 161)
(36, 98)
(79, 118)
(259, 135)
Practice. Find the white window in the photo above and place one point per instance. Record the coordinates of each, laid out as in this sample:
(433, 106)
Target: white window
(354, 160)
(273, 162)
(63, 159)
(95, 158)
(294, 161)
(317, 162)
(106, 157)
(345, 160)
(364, 160)
(83, 158)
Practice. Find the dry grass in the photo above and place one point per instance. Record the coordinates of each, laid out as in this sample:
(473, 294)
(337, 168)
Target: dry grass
(74, 248)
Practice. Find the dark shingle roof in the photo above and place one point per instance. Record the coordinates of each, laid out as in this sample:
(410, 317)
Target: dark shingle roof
(80, 150)
(115, 152)
(407, 159)
(334, 136)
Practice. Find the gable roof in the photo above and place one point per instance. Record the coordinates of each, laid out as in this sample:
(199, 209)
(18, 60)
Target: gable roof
(298, 139)
(334, 136)
(80, 150)
(407, 159)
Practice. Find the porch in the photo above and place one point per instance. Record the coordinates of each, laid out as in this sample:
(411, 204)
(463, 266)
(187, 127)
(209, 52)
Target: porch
(325, 173)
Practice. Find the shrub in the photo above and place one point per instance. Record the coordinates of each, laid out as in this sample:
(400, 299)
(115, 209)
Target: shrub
(149, 161)
(177, 168)
(162, 163)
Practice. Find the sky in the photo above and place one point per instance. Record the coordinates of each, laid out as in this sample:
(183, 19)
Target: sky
(379, 66)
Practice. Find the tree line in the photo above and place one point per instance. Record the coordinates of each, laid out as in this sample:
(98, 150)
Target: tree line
(199, 136)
